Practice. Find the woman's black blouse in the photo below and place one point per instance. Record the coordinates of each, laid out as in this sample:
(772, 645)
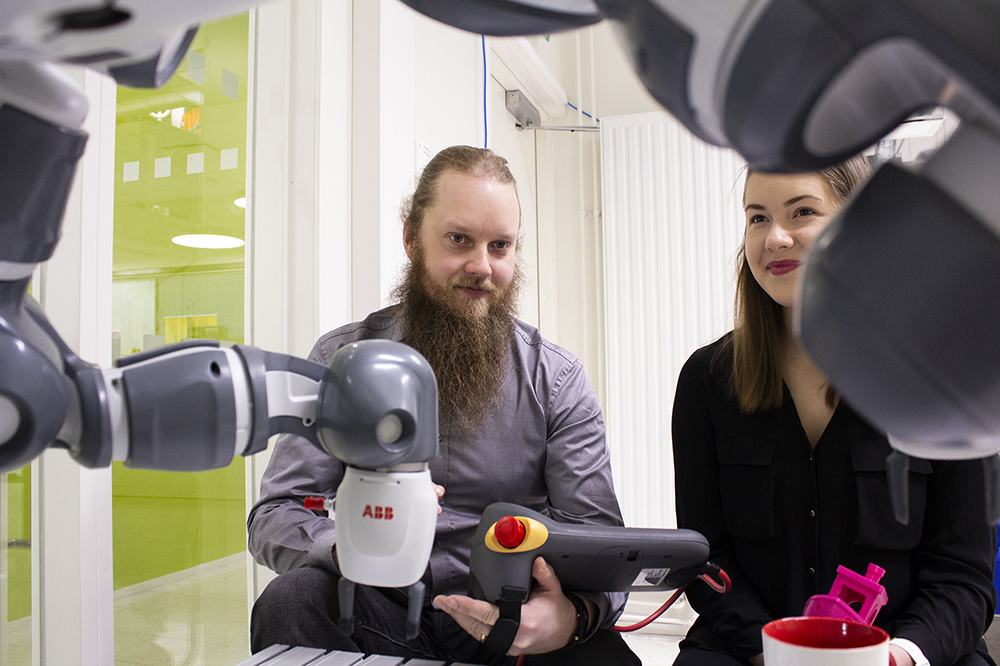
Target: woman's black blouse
(781, 516)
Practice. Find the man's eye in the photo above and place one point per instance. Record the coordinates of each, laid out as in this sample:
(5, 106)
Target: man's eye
(502, 245)
(457, 238)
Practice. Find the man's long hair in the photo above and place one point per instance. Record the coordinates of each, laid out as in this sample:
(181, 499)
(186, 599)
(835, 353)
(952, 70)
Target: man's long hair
(755, 348)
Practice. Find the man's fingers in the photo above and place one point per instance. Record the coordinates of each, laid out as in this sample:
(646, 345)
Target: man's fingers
(473, 608)
(476, 617)
(545, 576)
(439, 491)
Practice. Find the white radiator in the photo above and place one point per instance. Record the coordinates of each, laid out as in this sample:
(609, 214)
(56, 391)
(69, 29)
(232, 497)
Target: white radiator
(673, 222)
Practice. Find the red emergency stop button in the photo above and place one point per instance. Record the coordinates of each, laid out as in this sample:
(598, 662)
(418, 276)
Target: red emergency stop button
(509, 531)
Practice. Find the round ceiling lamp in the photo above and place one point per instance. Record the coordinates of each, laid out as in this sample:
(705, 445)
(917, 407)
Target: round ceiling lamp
(208, 241)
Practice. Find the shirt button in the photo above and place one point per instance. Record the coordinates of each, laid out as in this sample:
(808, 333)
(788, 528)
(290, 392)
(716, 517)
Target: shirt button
(812, 572)
(812, 513)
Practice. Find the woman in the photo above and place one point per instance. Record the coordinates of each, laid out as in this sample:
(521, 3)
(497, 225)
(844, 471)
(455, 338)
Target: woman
(787, 482)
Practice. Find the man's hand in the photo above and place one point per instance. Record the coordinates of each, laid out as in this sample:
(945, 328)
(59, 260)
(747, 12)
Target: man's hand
(548, 618)
(439, 491)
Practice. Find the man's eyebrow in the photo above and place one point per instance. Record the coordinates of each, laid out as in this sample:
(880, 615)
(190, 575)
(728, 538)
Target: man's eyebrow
(458, 227)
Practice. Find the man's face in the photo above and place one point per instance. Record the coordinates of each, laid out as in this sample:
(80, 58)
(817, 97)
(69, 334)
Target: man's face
(468, 240)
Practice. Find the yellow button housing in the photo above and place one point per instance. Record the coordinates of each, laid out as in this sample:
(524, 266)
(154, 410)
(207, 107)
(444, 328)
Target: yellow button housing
(535, 534)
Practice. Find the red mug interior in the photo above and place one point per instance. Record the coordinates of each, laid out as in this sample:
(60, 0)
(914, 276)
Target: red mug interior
(825, 633)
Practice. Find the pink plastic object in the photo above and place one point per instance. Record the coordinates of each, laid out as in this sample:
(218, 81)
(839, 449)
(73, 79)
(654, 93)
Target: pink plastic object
(851, 588)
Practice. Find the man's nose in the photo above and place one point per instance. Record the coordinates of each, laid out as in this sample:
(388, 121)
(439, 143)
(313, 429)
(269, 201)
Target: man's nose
(478, 263)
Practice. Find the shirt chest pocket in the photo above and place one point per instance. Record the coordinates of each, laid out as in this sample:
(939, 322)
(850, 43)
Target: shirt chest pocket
(877, 525)
(746, 482)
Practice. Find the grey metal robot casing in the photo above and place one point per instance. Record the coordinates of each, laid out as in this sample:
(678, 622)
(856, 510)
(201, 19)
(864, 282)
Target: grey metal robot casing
(378, 406)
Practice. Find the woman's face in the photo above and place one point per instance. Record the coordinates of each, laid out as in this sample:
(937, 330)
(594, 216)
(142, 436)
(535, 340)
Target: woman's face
(784, 214)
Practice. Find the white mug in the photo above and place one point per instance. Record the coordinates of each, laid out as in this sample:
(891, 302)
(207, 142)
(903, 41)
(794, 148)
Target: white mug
(824, 641)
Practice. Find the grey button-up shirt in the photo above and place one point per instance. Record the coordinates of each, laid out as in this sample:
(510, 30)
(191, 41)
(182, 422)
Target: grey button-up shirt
(544, 449)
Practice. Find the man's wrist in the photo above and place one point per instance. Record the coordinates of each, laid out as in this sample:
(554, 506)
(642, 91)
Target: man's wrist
(583, 618)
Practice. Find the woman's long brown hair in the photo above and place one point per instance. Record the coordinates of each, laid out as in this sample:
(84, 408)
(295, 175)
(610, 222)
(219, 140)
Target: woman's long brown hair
(759, 333)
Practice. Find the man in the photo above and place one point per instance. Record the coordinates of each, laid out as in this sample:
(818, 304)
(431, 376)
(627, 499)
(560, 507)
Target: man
(519, 422)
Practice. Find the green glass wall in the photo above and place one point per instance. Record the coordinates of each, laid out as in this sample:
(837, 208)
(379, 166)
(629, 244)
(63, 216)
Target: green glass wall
(18, 544)
(180, 161)
(15, 567)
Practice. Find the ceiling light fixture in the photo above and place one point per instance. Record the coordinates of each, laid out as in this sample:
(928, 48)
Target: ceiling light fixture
(241, 202)
(207, 241)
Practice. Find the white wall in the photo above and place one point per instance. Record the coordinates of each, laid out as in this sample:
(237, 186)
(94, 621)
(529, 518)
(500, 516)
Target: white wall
(432, 97)
(448, 87)
(594, 70)
(600, 82)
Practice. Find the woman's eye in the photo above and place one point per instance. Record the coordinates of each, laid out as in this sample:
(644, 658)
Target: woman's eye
(805, 211)
(754, 219)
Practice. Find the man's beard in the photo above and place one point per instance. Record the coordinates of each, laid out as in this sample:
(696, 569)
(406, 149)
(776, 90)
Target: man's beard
(466, 345)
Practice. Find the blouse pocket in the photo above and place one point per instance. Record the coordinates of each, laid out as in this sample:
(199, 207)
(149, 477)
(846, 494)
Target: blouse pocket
(746, 481)
(877, 525)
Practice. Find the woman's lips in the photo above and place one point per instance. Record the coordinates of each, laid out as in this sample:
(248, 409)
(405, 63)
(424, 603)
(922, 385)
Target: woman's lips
(783, 266)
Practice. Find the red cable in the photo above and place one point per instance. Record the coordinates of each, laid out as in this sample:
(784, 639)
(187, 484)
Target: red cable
(658, 613)
(722, 588)
(637, 625)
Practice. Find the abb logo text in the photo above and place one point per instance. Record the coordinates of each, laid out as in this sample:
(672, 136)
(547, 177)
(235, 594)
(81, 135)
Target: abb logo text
(377, 512)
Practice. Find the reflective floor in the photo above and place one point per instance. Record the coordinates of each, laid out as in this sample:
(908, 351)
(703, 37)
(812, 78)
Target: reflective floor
(653, 650)
(199, 618)
(192, 618)
(196, 618)
(16, 649)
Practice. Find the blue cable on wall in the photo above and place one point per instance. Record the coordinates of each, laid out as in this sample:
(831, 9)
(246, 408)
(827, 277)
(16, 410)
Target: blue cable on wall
(570, 105)
(486, 131)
